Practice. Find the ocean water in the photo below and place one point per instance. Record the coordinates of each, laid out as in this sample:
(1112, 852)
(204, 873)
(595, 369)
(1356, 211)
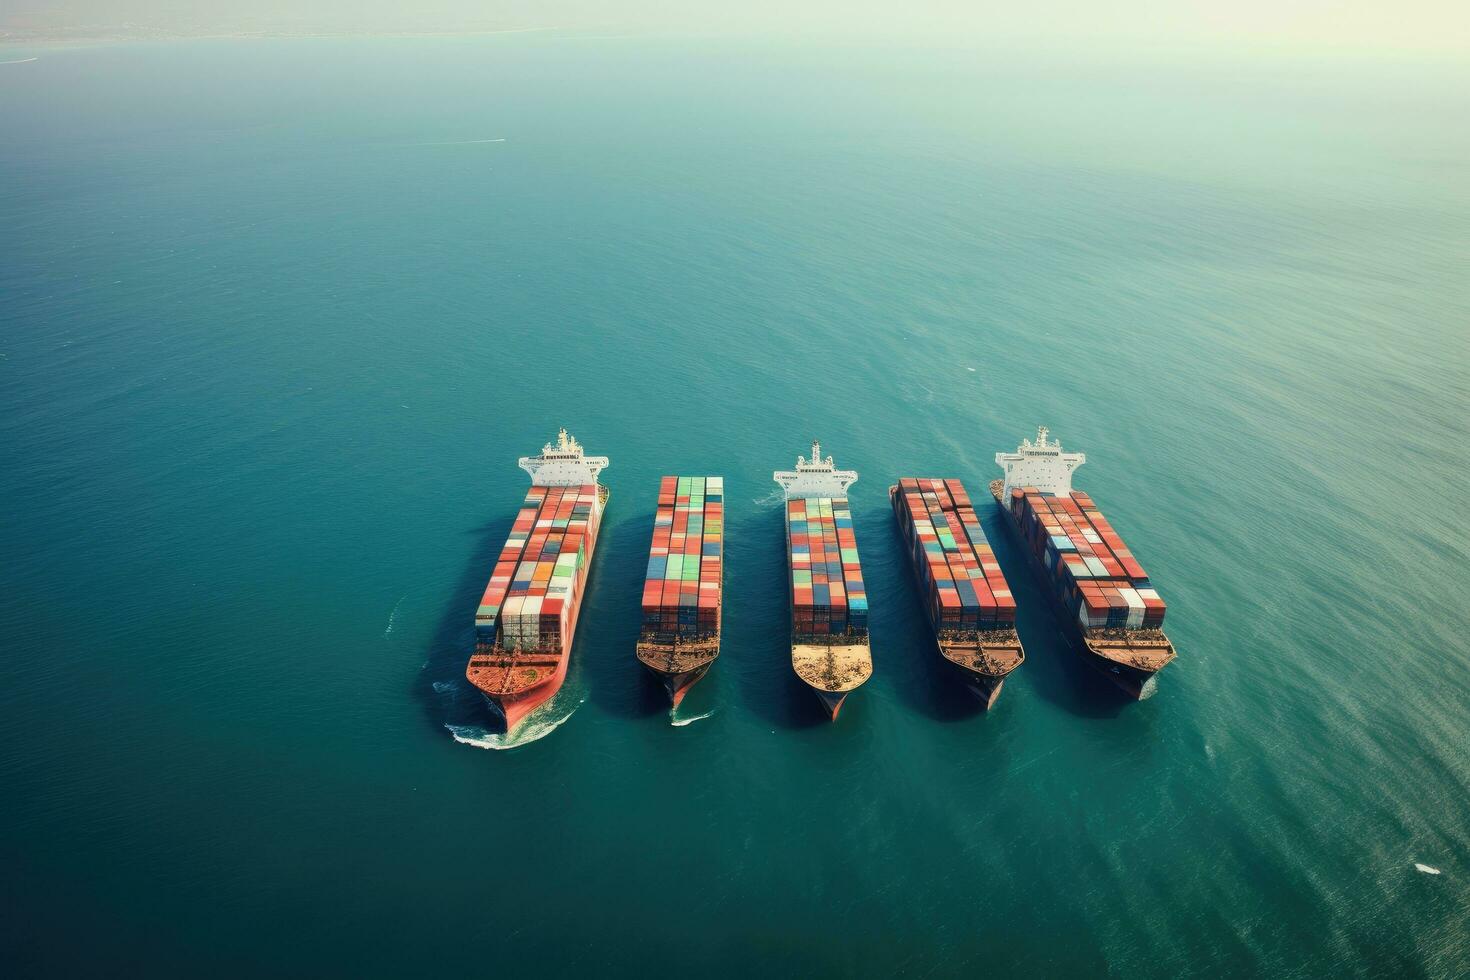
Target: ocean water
(277, 317)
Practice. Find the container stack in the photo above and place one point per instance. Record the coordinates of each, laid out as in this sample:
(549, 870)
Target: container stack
(681, 590)
(1091, 568)
(828, 598)
(535, 588)
(964, 590)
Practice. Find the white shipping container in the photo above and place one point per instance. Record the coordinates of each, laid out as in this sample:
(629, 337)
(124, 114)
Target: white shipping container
(1135, 607)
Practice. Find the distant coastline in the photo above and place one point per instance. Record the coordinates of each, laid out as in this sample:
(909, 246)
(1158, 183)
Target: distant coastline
(129, 32)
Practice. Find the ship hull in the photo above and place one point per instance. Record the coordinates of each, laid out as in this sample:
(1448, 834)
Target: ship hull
(513, 709)
(679, 683)
(1137, 684)
(986, 689)
(831, 701)
(831, 671)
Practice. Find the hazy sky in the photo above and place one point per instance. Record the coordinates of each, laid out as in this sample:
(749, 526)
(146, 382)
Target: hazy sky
(1407, 25)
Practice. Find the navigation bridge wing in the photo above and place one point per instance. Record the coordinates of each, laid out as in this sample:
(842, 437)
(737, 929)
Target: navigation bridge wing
(1040, 464)
(816, 477)
(564, 464)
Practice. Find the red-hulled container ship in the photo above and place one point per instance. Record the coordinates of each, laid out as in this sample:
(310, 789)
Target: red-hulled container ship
(829, 601)
(1108, 608)
(680, 638)
(965, 593)
(528, 615)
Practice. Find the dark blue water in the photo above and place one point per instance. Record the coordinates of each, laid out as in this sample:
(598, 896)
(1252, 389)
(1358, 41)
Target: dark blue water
(275, 323)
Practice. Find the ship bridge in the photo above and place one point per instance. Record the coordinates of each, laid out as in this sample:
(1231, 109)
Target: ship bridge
(1040, 464)
(563, 465)
(816, 477)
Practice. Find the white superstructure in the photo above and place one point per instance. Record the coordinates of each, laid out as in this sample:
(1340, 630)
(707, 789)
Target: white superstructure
(563, 465)
(815, 478)
(1040, 464)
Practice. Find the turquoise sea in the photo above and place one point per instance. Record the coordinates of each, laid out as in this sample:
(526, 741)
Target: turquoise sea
(277, 317)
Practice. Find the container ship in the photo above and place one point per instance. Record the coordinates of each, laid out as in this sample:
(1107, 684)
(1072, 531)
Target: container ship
(680, 638)
(966, 596)
(829, 603)
(1108, 608)
(528, 614)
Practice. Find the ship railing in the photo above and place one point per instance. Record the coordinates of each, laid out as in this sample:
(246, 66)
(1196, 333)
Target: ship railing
(678, 639)
(999, 635)
(1124, 634)
(830, 639)
(523, 656)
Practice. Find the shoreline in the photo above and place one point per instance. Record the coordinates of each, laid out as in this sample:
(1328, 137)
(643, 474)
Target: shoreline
(118, 36)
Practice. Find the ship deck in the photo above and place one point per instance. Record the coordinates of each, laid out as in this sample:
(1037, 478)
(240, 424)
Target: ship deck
(835, 667)
(993, 656)
(500, 671)
(677, 658)
(1146, 649)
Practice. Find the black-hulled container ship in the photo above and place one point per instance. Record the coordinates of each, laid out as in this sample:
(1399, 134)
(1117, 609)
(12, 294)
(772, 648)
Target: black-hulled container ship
(965, 594)
(1106, 605)
(680, 638)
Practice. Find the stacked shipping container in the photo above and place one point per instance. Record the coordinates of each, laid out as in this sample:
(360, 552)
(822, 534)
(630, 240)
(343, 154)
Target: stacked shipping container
(534, 590)
(1092, 570)
(681, 591)
(828, 598)
(964, 589)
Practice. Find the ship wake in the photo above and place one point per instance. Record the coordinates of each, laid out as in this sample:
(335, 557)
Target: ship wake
(678, 722)
(775, 498)
(393, 616)
(536, 726)
(498, 139)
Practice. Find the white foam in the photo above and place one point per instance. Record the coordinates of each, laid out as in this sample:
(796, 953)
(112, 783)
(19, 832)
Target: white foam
(1426, 868)
(536, 726)
(681, 722)
(19, 61)
(773, 499)
(394, 614)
